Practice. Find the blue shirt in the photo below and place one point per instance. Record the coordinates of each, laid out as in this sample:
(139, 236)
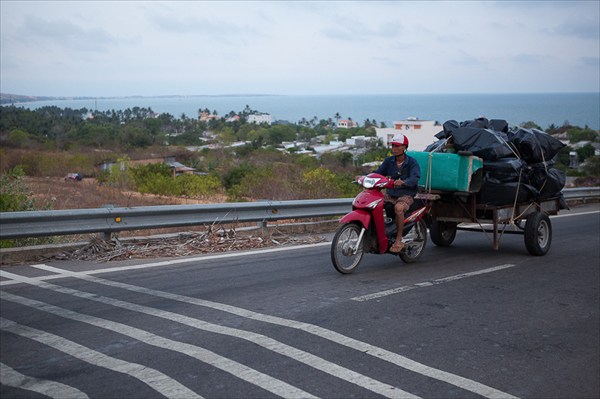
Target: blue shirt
(409, 173)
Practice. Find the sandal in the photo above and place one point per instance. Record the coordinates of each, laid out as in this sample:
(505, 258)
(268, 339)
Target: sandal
(397, 246)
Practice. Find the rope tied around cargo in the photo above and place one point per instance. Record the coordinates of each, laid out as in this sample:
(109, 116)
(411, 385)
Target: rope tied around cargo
(429, 178)
(518, 217)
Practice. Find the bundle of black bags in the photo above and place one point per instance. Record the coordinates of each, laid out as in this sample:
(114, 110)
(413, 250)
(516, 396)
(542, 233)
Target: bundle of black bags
(517, 164)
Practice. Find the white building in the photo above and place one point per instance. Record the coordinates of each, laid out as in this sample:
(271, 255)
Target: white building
(346, 124)
(259, 118)
(420, 133)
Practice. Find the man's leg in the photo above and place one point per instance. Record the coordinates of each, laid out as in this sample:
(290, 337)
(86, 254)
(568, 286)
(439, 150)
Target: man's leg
(400, 208)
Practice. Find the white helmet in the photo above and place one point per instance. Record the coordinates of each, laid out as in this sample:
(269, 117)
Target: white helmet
(400, 139)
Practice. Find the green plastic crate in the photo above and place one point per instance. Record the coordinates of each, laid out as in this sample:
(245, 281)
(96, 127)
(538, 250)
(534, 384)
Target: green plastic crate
(448, 171)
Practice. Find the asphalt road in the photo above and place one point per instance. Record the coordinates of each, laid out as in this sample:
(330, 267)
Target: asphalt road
(464, 322)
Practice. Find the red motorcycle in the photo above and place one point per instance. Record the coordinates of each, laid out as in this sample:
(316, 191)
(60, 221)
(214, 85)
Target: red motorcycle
(370, 227)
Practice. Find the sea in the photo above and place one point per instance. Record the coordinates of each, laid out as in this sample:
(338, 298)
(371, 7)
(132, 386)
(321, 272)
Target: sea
(558, 109)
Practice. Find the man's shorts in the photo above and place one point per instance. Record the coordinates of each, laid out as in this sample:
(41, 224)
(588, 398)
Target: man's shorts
(405, 201)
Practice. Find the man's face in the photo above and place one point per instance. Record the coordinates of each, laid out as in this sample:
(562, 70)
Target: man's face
(398, 150)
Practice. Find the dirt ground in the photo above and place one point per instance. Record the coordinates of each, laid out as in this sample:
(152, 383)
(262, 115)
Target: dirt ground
(61, 194)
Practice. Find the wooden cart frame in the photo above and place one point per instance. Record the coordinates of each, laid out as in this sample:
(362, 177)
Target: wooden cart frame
(450, 211)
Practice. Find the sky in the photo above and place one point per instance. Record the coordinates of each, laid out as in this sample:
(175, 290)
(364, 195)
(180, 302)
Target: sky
(152, 48)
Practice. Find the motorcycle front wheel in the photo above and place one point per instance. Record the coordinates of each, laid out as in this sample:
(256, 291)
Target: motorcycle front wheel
(346, 251)
(416, 244)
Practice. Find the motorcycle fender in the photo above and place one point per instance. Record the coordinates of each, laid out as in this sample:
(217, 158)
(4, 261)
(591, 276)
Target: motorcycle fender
(358, 215)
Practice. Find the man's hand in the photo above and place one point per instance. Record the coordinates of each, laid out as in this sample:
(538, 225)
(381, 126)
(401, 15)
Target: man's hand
(398, 183)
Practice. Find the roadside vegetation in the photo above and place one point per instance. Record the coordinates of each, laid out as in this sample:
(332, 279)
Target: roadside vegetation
(233, 161)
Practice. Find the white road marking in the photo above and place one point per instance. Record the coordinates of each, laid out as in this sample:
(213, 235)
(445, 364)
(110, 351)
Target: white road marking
(181, 261)
(232, 367)
(309, 359)
(155, 379)
(573, 214)
(405, 288)
(321, 332)
(56, 390)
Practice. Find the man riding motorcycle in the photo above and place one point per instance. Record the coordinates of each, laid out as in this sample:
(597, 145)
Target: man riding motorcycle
(406, 173)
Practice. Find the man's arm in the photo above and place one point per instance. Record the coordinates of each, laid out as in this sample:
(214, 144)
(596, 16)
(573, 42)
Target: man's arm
(414, 174)
(382, 169)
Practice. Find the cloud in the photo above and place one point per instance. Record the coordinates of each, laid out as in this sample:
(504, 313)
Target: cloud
(65, 34)
(349, 29)
(218, 29)
(524, 58)
(583, 29)
(593, 62)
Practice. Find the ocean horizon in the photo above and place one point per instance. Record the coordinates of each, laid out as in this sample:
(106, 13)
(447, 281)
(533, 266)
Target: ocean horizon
(544, 109)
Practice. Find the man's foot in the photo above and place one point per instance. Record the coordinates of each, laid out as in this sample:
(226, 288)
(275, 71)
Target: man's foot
(397, 246)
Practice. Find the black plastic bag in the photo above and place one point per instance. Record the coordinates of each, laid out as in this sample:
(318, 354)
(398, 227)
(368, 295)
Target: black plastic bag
(480, 123)
(484, 143)
(437, 146)
(548, 181)
(505, 170)
(448, 126)
(499, 194)
(535, 146)
(499, 125)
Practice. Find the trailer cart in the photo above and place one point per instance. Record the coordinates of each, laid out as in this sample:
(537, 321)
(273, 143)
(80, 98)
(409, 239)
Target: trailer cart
(460, 211)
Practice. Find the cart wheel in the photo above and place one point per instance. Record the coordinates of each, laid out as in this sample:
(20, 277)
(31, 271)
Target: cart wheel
(442, 233)
(416, 246)
(538, 234)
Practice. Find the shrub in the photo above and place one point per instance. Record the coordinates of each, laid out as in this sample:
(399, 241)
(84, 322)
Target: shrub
(16, 197)
(322, 183)
(197, 186)
(235, 175)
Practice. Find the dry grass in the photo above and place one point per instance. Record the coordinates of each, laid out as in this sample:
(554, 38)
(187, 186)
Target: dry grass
(56, 193)
(85, 194)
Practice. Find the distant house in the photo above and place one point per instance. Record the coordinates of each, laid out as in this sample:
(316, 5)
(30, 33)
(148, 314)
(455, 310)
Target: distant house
(260, 118)
(178, 168)
(346, 124)
(205, 117)
(420, 133)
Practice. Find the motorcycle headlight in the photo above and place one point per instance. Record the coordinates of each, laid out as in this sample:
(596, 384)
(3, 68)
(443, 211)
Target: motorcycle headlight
(369, 182)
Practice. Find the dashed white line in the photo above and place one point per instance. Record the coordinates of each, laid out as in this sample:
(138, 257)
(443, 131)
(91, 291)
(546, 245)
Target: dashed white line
(405, 288)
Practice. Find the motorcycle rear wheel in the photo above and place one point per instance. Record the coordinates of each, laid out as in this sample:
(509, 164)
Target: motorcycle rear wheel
(344, 256)
(415, 247)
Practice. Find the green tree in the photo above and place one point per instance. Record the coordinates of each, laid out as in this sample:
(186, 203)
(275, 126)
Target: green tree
(18, 138)
(585, 152)
(592, 166)
(530, 125)
(577, 134)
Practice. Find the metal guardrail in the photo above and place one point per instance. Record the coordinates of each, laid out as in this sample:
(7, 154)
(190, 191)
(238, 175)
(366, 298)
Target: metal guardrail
(581, 193)
(113, 220)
